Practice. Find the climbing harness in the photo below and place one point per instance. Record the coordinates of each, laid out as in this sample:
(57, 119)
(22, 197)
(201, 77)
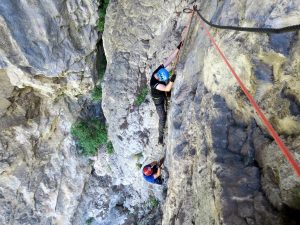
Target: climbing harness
(268, 125)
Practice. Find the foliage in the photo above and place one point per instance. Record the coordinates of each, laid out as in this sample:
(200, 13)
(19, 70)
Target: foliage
(138, 165)
(89, 135)
(141, 96)
(97, 93)
(138, 156)
(153, 202)
(102, 68)
(89, 221)
(109, 148)
(102, 12)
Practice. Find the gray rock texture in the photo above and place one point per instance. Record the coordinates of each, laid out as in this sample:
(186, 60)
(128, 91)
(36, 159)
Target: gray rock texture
(224, 168)
(48, 51)
(221, 167)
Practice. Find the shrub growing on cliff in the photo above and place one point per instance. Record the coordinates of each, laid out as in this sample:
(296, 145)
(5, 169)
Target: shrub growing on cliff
(109, 148)
(89, 135)
(89, 221)
(97, 93)
(141, 96)
(102, 12)
(138, 165)
(102, 68)
(153, 202)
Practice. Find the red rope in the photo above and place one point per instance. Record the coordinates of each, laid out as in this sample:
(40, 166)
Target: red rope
(271, 130)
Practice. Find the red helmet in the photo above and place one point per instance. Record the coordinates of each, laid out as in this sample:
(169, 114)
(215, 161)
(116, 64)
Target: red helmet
(147, 170)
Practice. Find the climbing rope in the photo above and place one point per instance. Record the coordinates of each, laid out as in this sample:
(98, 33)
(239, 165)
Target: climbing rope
(247, 29)
(268, 125)
(187, 31)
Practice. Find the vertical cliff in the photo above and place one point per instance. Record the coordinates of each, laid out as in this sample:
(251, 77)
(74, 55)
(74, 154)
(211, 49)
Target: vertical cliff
(230, 169)
(47, 64)
(221, 167)
(224, 168)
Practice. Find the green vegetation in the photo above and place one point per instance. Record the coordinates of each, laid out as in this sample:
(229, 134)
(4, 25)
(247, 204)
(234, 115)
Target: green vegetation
(89, 221)
(138, 165)
(153, 202)
(102, 12)
(138, 156)
(109, 148)
(102, 68)
(97, 93)
(296, 192)
(89, 135)
(141, 96)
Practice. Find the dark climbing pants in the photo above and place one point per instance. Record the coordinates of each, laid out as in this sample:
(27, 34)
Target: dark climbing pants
(159, 180)
(160, 109)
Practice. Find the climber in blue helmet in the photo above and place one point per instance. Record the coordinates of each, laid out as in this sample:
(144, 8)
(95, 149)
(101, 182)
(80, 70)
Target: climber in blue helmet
(161, 84)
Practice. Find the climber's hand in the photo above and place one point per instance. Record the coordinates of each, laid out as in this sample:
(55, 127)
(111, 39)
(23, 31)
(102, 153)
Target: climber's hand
(173, 77)
(153, 164)
(180, 45)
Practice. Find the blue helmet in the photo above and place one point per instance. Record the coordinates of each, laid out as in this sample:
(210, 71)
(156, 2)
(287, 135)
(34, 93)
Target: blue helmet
(163, 75)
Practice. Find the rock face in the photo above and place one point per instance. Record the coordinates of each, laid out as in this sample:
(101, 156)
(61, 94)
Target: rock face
(48, 51)
(221, 165)
(224, 168)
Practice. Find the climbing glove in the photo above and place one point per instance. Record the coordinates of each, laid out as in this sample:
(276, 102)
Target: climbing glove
(158, 68)
(173, 77)
(180, 45)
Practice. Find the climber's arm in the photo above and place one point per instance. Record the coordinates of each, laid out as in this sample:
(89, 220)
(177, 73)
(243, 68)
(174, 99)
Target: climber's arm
(166, 88)
(153, 163)
(158, 173)
(171, 57)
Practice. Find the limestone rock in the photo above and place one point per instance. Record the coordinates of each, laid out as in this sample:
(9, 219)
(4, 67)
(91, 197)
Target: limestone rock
(48, 51)
(213, 153)
(221, 164)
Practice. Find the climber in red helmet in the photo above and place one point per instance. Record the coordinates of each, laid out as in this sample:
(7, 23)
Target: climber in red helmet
(152, 172)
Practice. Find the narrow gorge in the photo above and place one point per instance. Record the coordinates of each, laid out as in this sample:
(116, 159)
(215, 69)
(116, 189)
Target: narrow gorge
(63, 67)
